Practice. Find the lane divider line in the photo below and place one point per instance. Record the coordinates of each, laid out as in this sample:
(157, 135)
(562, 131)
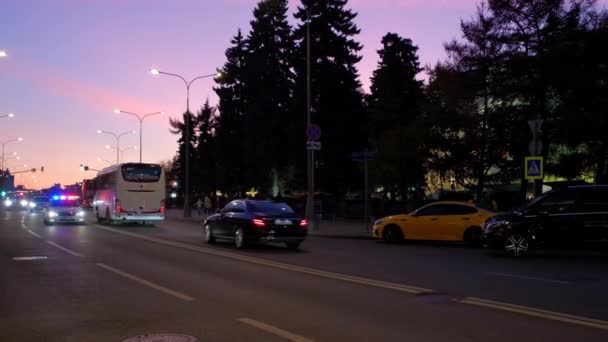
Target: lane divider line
(64, 249)
(530, 311)
(274, 330)
(31, 232)
(264, 262)
(147, 283)
(525, 277)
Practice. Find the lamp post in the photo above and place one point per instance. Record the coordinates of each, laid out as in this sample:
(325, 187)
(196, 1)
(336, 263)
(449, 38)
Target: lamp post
(141, 122)
(117, 136)
(310, 198)
(122, 151)
(187, 209)
(4, 144)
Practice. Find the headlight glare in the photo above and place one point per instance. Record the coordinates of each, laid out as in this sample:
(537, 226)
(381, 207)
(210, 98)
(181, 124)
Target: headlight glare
(52, 214)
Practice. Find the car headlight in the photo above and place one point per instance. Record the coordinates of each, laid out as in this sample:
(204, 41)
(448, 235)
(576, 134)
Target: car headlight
(32, 205)
(23, 203)
(488, 227)
(52, 214)
(8, 203)
(80, 213)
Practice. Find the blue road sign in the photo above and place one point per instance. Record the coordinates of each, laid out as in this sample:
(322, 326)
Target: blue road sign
(534, 168)
(363, 156)
(313, 132)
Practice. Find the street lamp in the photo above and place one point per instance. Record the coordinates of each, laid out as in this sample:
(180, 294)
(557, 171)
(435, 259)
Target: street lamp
(122, 151)
(4, 144)
(117, 136)
(9, 115)
(187, 209)
(3, 53)
(141, 122)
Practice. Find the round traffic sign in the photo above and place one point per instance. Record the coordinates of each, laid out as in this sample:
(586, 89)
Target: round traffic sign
(313, 132)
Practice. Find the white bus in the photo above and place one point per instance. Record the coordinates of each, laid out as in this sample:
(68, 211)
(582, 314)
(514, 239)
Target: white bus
(130, 192)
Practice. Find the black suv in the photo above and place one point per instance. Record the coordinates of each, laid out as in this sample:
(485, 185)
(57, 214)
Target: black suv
(563, 217)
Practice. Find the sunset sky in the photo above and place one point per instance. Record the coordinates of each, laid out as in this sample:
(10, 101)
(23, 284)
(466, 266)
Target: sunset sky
(71, 62)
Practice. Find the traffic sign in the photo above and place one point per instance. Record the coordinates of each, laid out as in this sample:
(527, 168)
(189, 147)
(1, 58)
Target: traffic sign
(313, 132)
(534, 168)
(313, 145)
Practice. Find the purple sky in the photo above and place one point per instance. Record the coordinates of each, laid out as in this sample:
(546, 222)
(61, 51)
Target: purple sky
(72, 61)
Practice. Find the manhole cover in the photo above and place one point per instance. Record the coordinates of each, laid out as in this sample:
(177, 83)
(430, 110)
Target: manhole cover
(162, 338)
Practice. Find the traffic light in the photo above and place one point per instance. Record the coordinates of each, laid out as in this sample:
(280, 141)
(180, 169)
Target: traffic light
(3, 193)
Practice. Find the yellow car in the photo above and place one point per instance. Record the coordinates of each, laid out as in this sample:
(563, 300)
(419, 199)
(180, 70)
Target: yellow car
(439, 221)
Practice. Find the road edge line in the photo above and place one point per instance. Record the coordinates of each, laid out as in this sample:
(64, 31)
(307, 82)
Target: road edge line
(274, 330)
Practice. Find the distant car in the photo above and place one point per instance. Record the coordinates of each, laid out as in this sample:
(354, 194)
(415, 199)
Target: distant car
(253, 221)
(38, 204)
(439, 221)
(563, 217)
(15, 203)
(64, 208)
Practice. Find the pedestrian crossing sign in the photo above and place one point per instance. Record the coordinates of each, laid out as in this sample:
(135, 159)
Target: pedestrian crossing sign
(534, 168)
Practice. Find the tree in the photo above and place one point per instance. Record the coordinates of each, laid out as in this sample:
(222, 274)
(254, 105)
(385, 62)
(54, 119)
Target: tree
(178, 128)
(230, 129)
(205, 155)
(270, 81)
(394, 106)
(337, 100)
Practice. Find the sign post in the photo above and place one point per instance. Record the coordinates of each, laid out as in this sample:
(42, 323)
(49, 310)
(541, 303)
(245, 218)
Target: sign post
(313, 134)
(534, 168)
(364, 157)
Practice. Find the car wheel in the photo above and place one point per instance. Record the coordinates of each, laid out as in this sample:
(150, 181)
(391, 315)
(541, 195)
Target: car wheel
(516, 245)
(209, 238)
(472, 236)
(293, 245)
(239, 238)
(392, 234)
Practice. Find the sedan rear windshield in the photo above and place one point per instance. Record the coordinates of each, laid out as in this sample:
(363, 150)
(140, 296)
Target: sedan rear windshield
(270, 208)
(141, 173)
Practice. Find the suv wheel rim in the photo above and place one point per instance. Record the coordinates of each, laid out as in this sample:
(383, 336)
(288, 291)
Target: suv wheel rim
(516, 245)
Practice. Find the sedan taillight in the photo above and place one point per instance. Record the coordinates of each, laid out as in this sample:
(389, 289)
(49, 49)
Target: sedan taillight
(258, 222)
(304, 223)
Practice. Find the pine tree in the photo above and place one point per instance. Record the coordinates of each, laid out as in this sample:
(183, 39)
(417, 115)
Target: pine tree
(269, 80)
(394, 105)
(230, 128)
(205, 178)
(178, 128)
(337, 98)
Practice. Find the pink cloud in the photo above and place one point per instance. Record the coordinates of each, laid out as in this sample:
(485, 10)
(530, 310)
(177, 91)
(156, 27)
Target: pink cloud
(62, 85)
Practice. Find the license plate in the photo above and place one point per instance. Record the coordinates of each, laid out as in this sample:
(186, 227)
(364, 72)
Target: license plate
(283, 222)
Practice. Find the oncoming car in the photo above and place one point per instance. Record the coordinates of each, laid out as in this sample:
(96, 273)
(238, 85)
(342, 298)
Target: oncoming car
(64, 209)
(38, 204)
(440, 221)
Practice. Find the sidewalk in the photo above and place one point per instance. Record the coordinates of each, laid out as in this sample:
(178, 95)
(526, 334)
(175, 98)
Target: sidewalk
(337, 229)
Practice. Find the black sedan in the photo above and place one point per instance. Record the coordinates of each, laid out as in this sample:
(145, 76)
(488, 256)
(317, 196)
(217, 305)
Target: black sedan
(253, 221)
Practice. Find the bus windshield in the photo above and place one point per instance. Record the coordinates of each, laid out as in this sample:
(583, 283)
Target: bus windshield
(141, 173)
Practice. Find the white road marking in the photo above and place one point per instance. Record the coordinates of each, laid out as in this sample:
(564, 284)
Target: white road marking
(64, 249)
(300, 269)
(147, 283)
(29, 258)
(530, 311)
(274, 330)
(31, 232)
(521, 276)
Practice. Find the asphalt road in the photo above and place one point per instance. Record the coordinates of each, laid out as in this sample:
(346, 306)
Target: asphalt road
(111, 283)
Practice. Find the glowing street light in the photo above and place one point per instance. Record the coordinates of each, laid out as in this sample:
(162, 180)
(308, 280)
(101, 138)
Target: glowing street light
(4, 143)
(9, 115)
(154, 71)
(3, 53)
(117, 136)
(141, 122)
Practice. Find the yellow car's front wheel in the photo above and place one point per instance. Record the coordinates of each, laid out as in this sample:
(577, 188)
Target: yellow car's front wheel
(392, 234)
